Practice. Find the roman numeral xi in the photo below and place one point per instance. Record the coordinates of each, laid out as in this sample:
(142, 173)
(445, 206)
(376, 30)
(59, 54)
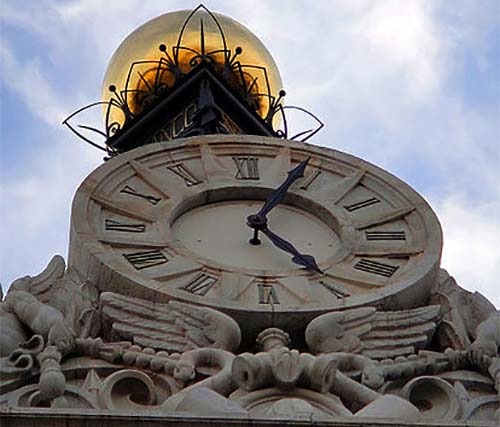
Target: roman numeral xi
(183, 172)
(133, 192)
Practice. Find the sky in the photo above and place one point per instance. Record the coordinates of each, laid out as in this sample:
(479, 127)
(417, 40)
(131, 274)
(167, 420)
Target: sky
(412, 86)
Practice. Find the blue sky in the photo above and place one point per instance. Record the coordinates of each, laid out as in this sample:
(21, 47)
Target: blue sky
(411, 86)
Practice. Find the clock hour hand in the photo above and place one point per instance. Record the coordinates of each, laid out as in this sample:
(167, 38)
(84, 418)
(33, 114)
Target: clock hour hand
(304, 260)
(277, 195)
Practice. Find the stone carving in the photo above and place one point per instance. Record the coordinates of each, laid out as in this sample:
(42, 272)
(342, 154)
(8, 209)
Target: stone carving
(112, 352)
(374, 334)
(174, 326)
(461, 311)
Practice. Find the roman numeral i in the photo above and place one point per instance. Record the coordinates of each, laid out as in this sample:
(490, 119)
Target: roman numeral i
(362, 204)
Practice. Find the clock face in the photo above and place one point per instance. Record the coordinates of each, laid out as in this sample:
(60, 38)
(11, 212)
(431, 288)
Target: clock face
(168, 221)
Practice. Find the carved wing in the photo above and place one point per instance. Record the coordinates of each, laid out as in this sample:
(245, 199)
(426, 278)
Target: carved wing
(174, 327)
(374, 334)
(41, 285)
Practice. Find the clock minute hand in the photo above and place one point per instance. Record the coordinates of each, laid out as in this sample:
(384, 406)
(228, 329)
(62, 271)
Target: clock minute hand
(304, 260)
(277, 195)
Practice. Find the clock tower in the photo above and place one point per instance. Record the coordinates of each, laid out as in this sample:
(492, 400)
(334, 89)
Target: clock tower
(223, 270)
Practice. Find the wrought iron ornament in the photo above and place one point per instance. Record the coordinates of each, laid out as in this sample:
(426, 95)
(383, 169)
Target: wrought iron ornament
(189, 92)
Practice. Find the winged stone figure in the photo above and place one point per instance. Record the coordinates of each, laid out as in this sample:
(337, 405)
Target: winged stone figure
(172, 326)
(55, 304)
(371, 333)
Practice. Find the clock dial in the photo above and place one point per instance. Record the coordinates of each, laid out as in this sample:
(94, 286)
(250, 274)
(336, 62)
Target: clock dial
(170, 221)
(217, 232)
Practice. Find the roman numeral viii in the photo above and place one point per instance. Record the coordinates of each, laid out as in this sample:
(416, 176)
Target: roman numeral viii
(183, 172)
(112, 225)
(385, 235)
(362, 204)
(133, 192)
(267, 294)
(248, 167)
(146, 259)
(375, 267)
(201, 284)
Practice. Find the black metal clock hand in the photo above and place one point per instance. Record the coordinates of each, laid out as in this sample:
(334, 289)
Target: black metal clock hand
(304, 260)
(259, 220)
(277, 195)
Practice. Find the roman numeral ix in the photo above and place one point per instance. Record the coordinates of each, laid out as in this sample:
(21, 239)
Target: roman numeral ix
(183, 172)
(201, 284)
(146, 259)
(375, 267)
(112, 225)
(248, 167)
(133, 192)
(309, 179)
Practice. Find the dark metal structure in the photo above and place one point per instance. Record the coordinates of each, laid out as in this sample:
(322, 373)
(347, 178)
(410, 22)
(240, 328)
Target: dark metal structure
(213, 96)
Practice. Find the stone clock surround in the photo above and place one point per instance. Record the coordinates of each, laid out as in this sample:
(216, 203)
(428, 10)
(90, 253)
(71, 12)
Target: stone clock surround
(215, 182)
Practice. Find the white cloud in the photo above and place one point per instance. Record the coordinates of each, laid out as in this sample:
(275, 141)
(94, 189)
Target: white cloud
(471, 249)
(379, 73)
(27, 80)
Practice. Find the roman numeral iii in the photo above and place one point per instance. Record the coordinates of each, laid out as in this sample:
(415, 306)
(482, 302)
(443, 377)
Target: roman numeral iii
(385, 235)
(247, 167)
(146, 259)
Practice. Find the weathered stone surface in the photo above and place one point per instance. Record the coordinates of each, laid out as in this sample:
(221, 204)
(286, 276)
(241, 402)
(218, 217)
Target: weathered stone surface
(203, 401)
(160, 320)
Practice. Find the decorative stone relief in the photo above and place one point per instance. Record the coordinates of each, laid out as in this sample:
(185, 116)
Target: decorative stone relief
(174, 358)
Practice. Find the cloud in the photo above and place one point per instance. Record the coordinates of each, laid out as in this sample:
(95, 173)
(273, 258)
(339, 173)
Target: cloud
(34, 90)
(391, 80)
(471, 245)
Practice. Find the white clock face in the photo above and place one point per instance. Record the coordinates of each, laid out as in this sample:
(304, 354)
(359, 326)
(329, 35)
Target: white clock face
(168, 220)
(218, 232)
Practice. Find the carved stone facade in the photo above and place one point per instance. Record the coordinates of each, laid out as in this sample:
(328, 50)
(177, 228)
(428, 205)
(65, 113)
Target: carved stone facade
(181, 337)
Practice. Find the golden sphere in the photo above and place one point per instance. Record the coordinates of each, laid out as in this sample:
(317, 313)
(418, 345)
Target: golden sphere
(143, 45)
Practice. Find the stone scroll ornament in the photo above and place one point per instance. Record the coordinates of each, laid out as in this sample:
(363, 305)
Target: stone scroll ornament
(64, 346)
